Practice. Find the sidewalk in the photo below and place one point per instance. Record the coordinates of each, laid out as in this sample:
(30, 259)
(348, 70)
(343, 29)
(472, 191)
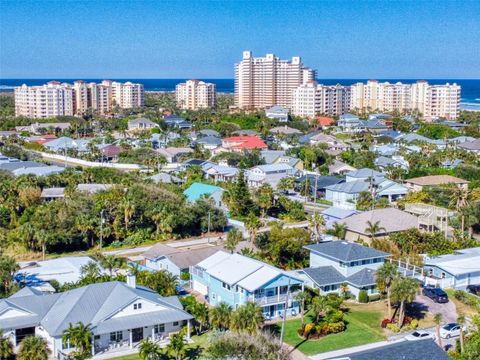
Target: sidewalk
(344, 352)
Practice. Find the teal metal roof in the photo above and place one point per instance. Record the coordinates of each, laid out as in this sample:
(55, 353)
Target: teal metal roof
(197, 190)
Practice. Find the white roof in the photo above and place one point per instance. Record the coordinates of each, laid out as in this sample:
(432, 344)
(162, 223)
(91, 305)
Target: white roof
(462, 262)
(246, 272)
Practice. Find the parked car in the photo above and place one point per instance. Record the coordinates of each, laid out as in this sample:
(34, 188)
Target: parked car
(474, 289)
(450, 330)
(420, 335)
(436, 294)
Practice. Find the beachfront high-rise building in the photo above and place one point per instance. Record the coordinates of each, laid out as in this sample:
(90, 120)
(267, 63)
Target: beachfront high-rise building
(432, 101)
(311, 99)
(194, 94)
(49, 100)
(267, 81)
(62, 99)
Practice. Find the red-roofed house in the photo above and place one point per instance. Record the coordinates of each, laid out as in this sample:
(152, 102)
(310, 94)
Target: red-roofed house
(325, 121)
(239, 143)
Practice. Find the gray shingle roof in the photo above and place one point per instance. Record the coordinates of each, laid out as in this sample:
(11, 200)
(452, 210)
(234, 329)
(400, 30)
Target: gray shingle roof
(364, 277)
(345, 251)
(324, 275)
(391, 219)
(404, 350)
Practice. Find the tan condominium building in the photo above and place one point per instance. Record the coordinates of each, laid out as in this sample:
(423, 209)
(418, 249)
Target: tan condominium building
(432, 101)
(312, 99)
(194, 94)
(62, 99)
(49, 100)
(266, 81)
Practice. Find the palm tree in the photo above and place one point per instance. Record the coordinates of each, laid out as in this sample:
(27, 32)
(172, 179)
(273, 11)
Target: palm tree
(252, 224)
(233, 239)
(344, 289)
(177, 345)
(80, 337)
(302, 298)
(317, 223)
(339, 230)
(128, 212)
(386, 274)
(148, 350)
(220, 316)
(33, 348)
(318, 307)
(112, 263)
(247, 318)
(373, 229)
(6, 347)
(437, 319)
(461, 322)
(200, 312)
(404, 290)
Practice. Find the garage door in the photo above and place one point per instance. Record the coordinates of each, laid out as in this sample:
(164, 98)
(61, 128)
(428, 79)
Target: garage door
(201, 288)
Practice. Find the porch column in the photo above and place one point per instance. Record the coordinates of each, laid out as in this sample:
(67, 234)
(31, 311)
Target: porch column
(188, 330)
(153, 333)
(278, 293)
(93, 345)
(130, 339)
(303, 286)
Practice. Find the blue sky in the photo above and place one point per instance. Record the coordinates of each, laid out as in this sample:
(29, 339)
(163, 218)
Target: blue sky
(203, 39)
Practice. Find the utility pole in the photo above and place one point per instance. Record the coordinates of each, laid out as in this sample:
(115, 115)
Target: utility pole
(102, 220)
(208, 227)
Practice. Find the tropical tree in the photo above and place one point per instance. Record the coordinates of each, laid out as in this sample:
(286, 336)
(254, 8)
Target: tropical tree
(286, 183)
(6, 347)
(317, 223)
(404, 290)
(437, 319)
(386, 274)
(220, 316)
(247, 318)
(373, 229)
(80, 337)
(148, 350)
(163, 282)
(8, 268)
(177, 345)
(112, 263)
(344, 290)
(252, 224)
(302, 297)
(234, 237)
(90, 271)
(264, 198)
(33, 348)
(339, 230)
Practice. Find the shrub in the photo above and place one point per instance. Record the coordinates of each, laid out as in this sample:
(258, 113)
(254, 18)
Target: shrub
(413, 324)
(308, 330)
(336, 327)
(363, 297)
(393, 327)
(385, 322)
(374, 297)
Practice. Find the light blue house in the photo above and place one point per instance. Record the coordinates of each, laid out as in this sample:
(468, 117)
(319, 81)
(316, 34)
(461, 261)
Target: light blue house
(336, 262)
(236, 279)
(198, 190)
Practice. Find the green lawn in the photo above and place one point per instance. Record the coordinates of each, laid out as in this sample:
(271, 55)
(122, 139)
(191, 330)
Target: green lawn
(363, 327)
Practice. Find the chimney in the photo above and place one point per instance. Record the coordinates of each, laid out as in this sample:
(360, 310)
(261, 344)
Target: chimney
(131, 281)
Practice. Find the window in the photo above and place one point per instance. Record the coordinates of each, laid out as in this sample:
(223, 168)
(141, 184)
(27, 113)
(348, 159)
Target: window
(225, 286)
(175, 323)
(116, 336)
(137, 306)
(160, 328)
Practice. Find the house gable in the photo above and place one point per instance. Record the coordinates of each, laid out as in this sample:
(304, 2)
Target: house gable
(138, 306)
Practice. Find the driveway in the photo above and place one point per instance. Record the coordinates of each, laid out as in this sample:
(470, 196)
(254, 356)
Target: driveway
(448, 310)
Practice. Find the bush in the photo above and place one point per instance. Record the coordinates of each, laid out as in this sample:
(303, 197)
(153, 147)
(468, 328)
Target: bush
(363, 297)
(308, 330)
(393, 327)
(385, 322)
(374, 297)
(413, 324)
(185, 276)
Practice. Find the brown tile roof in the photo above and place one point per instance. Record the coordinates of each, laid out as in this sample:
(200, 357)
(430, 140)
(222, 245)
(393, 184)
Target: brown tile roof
(436, 180)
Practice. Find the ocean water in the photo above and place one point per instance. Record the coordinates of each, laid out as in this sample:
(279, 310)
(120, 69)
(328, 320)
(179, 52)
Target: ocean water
(470, 87)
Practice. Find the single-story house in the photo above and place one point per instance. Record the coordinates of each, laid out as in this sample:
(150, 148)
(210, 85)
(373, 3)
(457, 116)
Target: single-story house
(285, 130)
(165, 178)
(471, 146)
(53, 193)
(37, 128)
(199, 190)
(396, 161)
(236, 279)
(339, 168)
(172, 154)
(120, 315)
(457, 270)
(334, 214)
(141, 124)
(277, 112)
(209, 142)
(64, 143)
(241, 143)
(177, 122)
(93, 188)
(390, 220)
(220, 172)
(318, 182)
(271, 174)
(417, 184)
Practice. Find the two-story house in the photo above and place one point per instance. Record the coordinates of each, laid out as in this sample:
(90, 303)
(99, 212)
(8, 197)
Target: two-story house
(336, 262)
(271, 174)
(236, 279)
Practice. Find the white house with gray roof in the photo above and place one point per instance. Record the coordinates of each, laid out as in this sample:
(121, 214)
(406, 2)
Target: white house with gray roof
(336, 262)
(120, 315)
